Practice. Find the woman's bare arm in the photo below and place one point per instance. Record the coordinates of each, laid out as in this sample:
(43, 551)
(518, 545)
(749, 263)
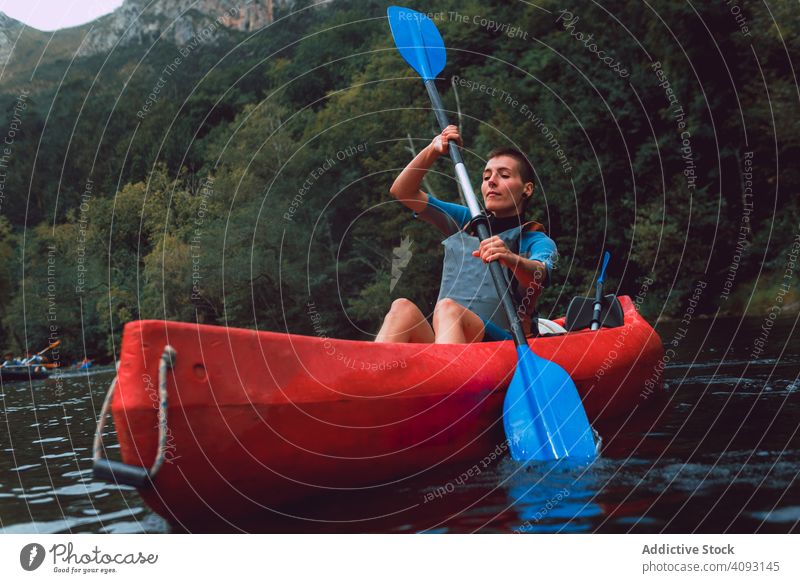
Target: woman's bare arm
(406, 187)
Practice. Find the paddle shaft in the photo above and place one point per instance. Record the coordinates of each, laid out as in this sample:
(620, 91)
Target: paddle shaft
(53, 345)
(598, 306)
(598, 294)
(498, 275)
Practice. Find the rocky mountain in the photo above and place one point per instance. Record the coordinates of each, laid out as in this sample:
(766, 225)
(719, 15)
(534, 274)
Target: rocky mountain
(136, 21)
(179, 21)
(9, 31)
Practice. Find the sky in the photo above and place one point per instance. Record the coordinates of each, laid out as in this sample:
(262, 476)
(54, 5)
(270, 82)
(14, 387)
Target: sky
(54, 14)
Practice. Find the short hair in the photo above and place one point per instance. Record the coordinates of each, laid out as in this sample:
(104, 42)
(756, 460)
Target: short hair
(525, 167)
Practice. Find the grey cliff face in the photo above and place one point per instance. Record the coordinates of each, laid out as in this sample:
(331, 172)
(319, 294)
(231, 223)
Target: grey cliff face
(178, 21)
(9, 29)
(145, 21)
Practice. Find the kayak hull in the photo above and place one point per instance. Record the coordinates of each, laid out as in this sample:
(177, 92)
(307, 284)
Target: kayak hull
(258, 420)
(22, 373)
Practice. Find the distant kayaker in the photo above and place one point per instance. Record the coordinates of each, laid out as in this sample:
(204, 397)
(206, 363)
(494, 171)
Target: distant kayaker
(468, 308)
(31, 359)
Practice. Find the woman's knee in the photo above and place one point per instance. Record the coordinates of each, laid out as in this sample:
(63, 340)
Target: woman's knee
(447, 309)
(401, 308)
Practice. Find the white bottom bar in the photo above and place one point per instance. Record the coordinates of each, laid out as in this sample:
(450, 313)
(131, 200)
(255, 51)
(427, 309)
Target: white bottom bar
(380, 558)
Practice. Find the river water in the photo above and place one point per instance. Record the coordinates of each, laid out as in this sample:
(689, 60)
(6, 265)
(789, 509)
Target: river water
(717, 451)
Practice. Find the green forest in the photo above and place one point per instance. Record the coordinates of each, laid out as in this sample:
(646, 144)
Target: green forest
(244, 182)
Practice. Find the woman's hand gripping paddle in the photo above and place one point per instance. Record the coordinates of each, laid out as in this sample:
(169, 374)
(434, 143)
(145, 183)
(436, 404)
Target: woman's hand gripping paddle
(542, 414)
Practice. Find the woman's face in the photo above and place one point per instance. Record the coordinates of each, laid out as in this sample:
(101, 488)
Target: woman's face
(503, 190)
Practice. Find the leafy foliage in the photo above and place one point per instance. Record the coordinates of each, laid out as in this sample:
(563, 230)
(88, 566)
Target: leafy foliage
(255, 185)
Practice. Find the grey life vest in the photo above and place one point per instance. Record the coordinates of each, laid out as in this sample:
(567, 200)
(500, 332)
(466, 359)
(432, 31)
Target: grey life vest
(466, 279)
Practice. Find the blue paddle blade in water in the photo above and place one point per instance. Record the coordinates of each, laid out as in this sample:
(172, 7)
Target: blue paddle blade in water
(543, 414)
(418, 41)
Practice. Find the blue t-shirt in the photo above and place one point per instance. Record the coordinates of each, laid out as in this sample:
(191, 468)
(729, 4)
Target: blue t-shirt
(450, 218)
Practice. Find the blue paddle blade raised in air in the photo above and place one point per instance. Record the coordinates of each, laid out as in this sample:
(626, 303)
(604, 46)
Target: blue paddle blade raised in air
(543, 414)
(418, 41)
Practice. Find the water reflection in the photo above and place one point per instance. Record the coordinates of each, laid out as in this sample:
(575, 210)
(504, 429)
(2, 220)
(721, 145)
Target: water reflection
(46, 481)
(554, 497)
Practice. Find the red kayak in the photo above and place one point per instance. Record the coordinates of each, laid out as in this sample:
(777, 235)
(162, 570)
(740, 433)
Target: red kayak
(256, 420)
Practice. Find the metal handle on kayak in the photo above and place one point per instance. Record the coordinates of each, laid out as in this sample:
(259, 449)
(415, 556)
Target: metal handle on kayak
(119, 472)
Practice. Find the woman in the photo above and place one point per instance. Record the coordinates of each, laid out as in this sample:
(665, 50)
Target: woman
(469, 308)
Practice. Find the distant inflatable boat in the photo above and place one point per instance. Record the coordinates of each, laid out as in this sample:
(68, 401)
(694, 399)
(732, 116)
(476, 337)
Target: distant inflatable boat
(22, 373)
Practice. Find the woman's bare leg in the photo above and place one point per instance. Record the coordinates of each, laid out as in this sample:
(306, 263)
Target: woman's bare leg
(455, 324)
(405, 323)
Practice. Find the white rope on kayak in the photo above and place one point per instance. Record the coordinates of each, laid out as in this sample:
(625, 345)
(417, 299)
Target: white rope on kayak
(167, 362)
